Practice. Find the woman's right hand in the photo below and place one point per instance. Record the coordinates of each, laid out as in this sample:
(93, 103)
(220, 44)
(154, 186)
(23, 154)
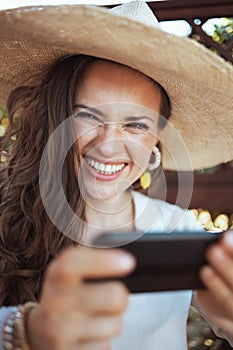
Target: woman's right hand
(73, 314)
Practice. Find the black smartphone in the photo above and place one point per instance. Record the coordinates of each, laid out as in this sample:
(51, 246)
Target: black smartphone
(165, 262)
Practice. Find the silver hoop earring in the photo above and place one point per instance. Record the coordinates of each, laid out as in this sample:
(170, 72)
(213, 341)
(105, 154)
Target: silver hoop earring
(156, 163)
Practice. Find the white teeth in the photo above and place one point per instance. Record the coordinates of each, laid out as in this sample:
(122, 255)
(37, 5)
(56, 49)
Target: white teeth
(101, 167)
(108, 169)
(104, 169)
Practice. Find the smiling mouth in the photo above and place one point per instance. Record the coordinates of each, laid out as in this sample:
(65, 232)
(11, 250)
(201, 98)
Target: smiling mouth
(106, 169)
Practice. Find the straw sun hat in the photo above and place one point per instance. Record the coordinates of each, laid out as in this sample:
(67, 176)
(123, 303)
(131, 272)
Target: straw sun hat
(199, 83)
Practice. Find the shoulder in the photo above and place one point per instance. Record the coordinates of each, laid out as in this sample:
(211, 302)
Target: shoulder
(154, 214)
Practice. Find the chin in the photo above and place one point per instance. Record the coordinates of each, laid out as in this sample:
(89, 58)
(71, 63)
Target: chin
(104, 193)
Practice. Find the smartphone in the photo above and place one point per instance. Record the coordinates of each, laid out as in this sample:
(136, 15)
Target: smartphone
(165, 262)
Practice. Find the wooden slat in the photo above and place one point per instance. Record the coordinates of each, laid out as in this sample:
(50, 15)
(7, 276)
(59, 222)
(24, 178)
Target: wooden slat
(213, 192)
(179, 9)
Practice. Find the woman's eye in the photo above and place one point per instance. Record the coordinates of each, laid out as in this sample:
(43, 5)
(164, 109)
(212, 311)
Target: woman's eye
(87, 117)
(136, 127)
(84, 115)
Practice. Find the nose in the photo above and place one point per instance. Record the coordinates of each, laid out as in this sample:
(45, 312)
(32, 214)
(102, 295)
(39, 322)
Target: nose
(110, 139)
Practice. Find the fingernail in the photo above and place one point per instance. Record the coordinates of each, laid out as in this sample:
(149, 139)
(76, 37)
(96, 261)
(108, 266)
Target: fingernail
(206, 272)
(127, 261)
(218, 253)
(228, 238)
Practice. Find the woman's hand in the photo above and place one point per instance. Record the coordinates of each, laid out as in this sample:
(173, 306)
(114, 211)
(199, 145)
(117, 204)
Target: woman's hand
(73, 314)
(217, 301)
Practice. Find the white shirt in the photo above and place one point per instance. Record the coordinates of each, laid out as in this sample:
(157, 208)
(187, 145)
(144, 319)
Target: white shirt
(157, 321)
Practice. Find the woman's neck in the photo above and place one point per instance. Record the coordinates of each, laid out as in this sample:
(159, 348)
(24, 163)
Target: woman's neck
(108, 216)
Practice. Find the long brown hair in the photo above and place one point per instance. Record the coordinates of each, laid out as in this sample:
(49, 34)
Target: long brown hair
(28, 239)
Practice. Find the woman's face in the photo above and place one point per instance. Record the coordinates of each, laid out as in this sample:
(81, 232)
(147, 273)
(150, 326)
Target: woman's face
(116, 124)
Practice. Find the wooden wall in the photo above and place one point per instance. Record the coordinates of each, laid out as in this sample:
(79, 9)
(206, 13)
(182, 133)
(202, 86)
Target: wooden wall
(212, 191)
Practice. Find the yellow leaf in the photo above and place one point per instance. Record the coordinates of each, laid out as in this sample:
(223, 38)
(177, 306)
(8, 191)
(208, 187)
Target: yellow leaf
(5, 121)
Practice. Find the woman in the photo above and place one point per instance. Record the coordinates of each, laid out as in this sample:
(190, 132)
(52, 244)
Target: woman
(115, 115)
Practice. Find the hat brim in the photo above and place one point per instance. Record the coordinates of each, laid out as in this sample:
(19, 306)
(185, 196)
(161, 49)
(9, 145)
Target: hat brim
(198, 82)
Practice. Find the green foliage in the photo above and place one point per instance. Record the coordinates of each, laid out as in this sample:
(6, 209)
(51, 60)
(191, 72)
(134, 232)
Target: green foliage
(3, 112)
(3, 121)
(224, 32)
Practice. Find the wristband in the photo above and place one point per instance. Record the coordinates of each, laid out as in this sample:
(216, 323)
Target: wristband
(14, 330)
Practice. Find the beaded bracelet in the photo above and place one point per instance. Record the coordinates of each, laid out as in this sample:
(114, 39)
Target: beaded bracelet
(14, 329)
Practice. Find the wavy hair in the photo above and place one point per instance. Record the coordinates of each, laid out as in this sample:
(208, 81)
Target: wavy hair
(28, 239)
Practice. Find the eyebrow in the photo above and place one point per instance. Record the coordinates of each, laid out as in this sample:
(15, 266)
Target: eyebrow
(97, 111)
(132, 119)
(91, 109)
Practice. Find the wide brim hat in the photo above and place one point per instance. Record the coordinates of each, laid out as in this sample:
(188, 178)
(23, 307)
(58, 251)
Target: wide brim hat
(198, 82)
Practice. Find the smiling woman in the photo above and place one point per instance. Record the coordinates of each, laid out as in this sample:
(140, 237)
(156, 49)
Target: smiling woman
(123, 126)
(88, 112)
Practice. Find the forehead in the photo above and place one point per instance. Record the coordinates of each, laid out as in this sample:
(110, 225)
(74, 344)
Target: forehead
(106, 82)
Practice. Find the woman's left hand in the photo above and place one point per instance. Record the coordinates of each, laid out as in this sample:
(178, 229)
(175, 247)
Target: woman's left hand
(216, 303)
